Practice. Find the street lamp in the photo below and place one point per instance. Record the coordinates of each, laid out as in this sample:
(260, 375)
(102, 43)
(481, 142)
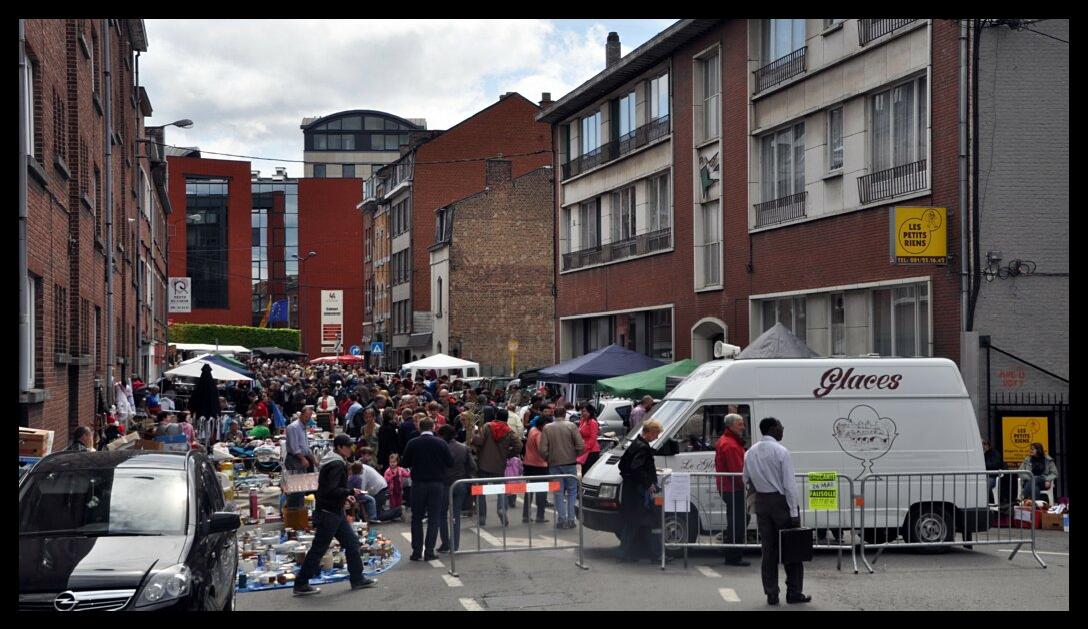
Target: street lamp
(301, 335)
(184, 123)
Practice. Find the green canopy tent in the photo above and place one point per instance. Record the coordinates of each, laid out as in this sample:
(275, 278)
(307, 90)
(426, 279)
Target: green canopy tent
(649, 382)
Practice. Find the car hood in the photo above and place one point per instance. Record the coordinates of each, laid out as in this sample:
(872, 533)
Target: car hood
(56, 564)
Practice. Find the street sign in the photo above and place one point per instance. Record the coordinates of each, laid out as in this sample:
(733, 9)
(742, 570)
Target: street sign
(180, 298)
(332, 321)
(377, 348)
(355, 351)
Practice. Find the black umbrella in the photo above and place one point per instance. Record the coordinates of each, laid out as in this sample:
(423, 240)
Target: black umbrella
(204, 402)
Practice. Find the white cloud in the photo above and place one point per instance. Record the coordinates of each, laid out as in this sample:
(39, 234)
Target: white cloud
(247, 84)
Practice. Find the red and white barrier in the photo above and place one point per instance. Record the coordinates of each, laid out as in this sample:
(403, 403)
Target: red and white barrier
(514, 488)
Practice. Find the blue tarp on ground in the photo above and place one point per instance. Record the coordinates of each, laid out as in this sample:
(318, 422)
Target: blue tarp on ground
(607, 362)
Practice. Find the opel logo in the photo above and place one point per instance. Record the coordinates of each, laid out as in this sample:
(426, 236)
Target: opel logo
(65, 601)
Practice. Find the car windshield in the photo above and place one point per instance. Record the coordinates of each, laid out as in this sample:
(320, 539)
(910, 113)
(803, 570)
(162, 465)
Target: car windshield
(104, 502)
(668, 412)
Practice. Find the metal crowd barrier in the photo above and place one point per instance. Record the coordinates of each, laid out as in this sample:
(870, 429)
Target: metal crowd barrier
(514, 485)
(708, 521)
(930, 508)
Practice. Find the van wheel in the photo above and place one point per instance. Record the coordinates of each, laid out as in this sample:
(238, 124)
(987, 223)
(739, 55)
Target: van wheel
(676, 523)
(880, 535)
(930, 523)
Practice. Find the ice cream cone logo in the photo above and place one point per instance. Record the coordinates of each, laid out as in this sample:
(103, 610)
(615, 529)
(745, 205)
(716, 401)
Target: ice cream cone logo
(865, 435)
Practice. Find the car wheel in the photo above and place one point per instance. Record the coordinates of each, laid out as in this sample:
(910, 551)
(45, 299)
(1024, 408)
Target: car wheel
(930, 524)
(682, 528)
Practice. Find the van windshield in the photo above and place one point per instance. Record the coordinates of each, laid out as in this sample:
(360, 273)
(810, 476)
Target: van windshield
(668, 412)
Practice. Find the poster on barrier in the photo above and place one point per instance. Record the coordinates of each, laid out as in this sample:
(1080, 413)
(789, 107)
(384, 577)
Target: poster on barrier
(677, 493)
(823, 491)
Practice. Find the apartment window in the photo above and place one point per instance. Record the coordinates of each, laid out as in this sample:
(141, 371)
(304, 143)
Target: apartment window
(319, 170)
(901, 321)
(709, 69)
(661, 334)
(834, 139)
(659, 97)
(591, 133)
(60, 319)
(899, 125)
(97, 340)
(828, 23)
(782, 37)
(94, 62)
(658, 207)
(32, 131)
(144, 183)
(349, 171)
(711, 246)
(84, 326)
(623, 214)
(206, 240)
(783, 163)
(625, 115)
(838, 323)
(30, 340)
(438, 310)
(589, 224)
(789, 311)
(59, 134)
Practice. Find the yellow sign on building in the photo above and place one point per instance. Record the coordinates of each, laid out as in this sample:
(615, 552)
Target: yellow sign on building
(1018, 434)
(919, 235)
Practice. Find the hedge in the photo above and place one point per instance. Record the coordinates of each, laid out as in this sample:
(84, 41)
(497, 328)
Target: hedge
(285, 338)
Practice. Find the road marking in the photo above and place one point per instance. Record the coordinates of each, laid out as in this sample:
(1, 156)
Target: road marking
(708, 571)
(452, 581)
(436, 563)
(471, 605)
(406, 535)
(729, 595)
(1028, 551)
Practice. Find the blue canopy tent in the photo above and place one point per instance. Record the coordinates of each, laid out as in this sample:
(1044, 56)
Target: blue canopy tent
(607, 362)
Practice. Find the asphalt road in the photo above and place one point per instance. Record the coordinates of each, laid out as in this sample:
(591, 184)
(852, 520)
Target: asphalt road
(979, 579)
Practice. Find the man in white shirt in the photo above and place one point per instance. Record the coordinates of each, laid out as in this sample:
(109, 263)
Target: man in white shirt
(374, 499)
(768, 468)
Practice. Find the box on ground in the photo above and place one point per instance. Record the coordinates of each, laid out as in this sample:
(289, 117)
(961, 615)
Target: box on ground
(1022, 518)
(1052, 521)
(34, 442)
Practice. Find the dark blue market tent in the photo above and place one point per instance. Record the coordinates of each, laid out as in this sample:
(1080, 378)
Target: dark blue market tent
(607, 362)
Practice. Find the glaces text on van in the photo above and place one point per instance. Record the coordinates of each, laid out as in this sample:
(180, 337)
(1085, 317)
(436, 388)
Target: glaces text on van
(836, 378)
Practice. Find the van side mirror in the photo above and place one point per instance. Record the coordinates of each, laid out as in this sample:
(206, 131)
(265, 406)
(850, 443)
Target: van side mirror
(222, 521)
(670, 447)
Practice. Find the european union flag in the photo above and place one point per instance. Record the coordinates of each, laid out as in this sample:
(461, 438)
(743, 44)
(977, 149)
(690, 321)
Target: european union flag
(279, 312)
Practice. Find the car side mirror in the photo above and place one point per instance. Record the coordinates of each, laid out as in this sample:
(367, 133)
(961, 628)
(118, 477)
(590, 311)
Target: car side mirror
(222, 522)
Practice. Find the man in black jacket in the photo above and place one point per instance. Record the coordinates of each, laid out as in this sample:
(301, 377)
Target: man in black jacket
(329, 520)
(639, 477)
(428, 457)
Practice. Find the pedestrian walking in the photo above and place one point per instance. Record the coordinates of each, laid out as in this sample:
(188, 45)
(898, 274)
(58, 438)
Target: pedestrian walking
(429, 458)
(388, 441)
(407, 430)
(464, 466)
(768, 467)
(589, 428)
(330, 521)
(639, 476)
(638, 413)
(535, 465)
(495, 443)
(560, 445)
(299, 457)
(729, 458)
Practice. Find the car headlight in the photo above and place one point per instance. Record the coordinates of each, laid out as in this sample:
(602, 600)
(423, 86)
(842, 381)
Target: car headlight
(171, 583)
(608, 492)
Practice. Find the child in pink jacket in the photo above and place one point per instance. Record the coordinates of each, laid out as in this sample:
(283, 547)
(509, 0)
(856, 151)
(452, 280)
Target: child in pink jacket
(394, 476)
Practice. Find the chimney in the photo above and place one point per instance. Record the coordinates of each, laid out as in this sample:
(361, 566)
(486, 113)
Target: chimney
(506, 95)
(499, 171)
(612, 50)
(546, 99)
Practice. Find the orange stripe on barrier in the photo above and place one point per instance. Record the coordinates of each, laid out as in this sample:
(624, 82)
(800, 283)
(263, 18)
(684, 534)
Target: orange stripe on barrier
(553, 485)
(515, 488)
(477, 490)
(659, 500)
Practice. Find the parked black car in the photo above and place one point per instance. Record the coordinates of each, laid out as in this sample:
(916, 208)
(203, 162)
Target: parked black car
(132, 530)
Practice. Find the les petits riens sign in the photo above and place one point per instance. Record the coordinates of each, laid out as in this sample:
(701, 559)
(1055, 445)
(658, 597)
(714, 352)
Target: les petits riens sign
(835, 379)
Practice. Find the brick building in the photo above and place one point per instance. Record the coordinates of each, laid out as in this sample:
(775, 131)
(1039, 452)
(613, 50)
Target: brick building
(748, 168)
(245, 241)
(79, 78)
(490, 262)
(436, 168)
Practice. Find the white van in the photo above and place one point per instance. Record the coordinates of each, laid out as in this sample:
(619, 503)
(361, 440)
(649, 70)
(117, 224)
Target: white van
(854, 416)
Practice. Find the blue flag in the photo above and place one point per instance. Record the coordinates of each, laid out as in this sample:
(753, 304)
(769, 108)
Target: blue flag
(279, 312)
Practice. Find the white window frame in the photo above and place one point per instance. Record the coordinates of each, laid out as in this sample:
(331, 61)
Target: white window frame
(31, 325)
(659, 89)
(625, 109)
(832, 22)
(658, 212)
(31, 131)
(590, 127)
(145, 193)
(623, 215)
(832, 149)
(710, 68)
(792, 325)
(831, 323)
(919, 317)
(711, 241)
(919, 117)
(589, 213)
(773, 30)
(795, 186)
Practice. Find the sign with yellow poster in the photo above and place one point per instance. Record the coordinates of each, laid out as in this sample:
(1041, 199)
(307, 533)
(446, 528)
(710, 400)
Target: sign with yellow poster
(919, 235)
(1018, 434)
(823, 491)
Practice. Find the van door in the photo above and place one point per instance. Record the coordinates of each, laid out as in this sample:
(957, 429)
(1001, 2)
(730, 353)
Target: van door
(691, 448)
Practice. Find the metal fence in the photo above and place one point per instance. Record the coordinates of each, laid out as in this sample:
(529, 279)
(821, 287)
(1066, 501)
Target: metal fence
(781, 69)
(870, 29)
(507, 486)
(780, 210)
(892, 182)
(705, 521)
(928, 509)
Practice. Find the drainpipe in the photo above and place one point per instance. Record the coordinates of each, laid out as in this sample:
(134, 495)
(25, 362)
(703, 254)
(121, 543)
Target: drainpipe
(107, 138)
(976, 279)
(24, 324)
(141, 276)
(965, 284)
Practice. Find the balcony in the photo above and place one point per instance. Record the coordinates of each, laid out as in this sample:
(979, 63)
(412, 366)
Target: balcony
(868, 30)
(619, 250)
(781, 210)
(781, 69)
(892, 182)
(611, 151)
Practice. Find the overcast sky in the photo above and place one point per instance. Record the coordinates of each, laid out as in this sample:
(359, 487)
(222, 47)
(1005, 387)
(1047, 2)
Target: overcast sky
(247, 84)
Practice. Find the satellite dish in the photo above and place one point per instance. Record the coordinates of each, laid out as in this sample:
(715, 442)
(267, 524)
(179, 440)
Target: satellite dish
(725, 350)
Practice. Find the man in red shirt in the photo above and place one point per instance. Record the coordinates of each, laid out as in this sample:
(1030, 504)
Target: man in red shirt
(729, 457)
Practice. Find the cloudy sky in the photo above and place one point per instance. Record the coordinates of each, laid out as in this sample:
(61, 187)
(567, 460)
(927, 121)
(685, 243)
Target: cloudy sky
(247, 84)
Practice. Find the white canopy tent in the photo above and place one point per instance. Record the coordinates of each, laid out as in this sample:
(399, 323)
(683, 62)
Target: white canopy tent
(214, 349)
(193, 369)
(443, 363)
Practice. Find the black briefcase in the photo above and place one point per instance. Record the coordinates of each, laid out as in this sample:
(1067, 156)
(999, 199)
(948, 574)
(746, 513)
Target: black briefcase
(795, 545)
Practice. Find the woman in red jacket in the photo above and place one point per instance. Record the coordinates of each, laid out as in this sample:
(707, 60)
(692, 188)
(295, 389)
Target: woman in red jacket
(589, 429)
